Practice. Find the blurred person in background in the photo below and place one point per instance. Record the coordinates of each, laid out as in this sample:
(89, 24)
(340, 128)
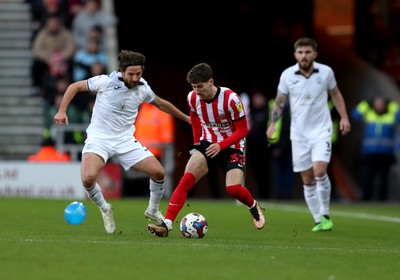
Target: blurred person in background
(41, 9)
(75, 116)
(379, 117)
(53, 49)
(281, 154)
(154, 129)
(49, 153)
(84, 59)
(257, 153)
(90, 16)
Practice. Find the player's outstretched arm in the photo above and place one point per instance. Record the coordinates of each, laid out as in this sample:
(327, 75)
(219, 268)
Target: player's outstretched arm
(169, 108)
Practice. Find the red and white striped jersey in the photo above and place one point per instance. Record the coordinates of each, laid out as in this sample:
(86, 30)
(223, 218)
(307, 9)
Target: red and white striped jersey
(217, 116)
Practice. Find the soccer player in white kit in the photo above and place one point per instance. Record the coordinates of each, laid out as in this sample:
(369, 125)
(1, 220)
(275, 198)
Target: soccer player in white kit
(219, 127)
(110, 133)
(306, 85)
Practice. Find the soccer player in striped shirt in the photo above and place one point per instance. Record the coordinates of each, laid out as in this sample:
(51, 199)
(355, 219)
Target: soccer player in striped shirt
(219, 129)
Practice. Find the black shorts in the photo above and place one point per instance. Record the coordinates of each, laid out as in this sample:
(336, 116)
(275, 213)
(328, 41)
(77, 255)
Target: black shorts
(228, 159)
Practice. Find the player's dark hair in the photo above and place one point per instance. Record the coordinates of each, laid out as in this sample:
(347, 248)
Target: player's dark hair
(305, 42)
(130, 58)
(200, 73)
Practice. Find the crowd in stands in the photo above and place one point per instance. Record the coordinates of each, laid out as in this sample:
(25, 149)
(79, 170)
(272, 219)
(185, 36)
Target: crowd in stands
(67, 45)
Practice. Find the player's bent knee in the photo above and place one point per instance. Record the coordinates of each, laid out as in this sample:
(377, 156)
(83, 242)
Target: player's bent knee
(88, 181)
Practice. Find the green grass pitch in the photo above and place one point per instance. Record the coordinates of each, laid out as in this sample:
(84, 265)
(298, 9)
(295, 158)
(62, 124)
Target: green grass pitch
(37, 243)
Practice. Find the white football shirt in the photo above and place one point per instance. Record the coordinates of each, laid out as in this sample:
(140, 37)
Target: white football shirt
(116, 106)
(308, 97)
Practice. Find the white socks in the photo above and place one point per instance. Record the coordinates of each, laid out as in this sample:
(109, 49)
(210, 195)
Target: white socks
(96, 196)
(312, 200)
(156, 194)
(318, 196)
(324, 193)
(168, 223)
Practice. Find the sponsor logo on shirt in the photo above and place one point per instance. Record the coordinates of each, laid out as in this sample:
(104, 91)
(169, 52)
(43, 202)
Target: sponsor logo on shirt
(225, 124)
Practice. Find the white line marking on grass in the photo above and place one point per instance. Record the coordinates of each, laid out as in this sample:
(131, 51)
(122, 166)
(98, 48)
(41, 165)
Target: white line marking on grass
(213, 245)
(339, 213)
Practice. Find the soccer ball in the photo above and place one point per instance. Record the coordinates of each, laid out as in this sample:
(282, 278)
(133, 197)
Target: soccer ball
(75, 213)
(194, 225)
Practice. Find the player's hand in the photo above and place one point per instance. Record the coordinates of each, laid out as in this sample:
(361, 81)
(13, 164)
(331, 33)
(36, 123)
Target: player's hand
(60, 118)
(213, 150)
(270, 131)
(345, 126)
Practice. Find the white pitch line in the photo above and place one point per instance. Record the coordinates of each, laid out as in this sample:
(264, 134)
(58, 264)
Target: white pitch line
(205, 244)
(364, 216)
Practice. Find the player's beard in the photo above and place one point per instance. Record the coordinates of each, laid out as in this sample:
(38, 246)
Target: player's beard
(305, 65)
(130, 85)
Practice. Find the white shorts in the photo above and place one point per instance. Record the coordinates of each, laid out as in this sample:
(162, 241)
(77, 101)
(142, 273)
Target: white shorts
(127, 152)
(306, 152)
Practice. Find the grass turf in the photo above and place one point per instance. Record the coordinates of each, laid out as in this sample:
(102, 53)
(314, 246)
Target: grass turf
(37, 243)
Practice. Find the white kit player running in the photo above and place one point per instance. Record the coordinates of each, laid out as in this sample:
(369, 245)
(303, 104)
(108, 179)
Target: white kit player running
(219, 127)
(110, 134)
(306, 85)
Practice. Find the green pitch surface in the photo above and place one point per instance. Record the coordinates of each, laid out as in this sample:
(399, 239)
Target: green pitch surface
(37, 243)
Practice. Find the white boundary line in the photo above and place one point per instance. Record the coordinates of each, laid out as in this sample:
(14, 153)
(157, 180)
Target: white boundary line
(364, 216)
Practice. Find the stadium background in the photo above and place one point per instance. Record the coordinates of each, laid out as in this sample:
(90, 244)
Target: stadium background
(248, 44)
(242, 40)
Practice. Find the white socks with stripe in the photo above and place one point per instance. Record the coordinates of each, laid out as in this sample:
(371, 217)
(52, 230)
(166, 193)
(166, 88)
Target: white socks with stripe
(96, 196)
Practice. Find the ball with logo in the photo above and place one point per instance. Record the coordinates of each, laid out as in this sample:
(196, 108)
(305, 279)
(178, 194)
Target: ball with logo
(194, 225)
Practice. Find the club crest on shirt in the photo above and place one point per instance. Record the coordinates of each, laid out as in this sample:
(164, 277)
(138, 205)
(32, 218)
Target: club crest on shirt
(239, 107)
(122, 106)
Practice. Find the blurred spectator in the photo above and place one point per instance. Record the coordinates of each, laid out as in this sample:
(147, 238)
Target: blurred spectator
(84, 59)
(379, 118)
(92, 15)
(41, 9)
(96, 33)
(53, 49)
(49, 153)
(281, 150)
(52, 89)
(97, 68)
(74, 7)
(82, 101)
(154, 128)
(74, 116)
(335, 146)
(257, 152)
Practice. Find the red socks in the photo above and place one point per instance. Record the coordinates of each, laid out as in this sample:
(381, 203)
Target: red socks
(179, 196)
(241, 193)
